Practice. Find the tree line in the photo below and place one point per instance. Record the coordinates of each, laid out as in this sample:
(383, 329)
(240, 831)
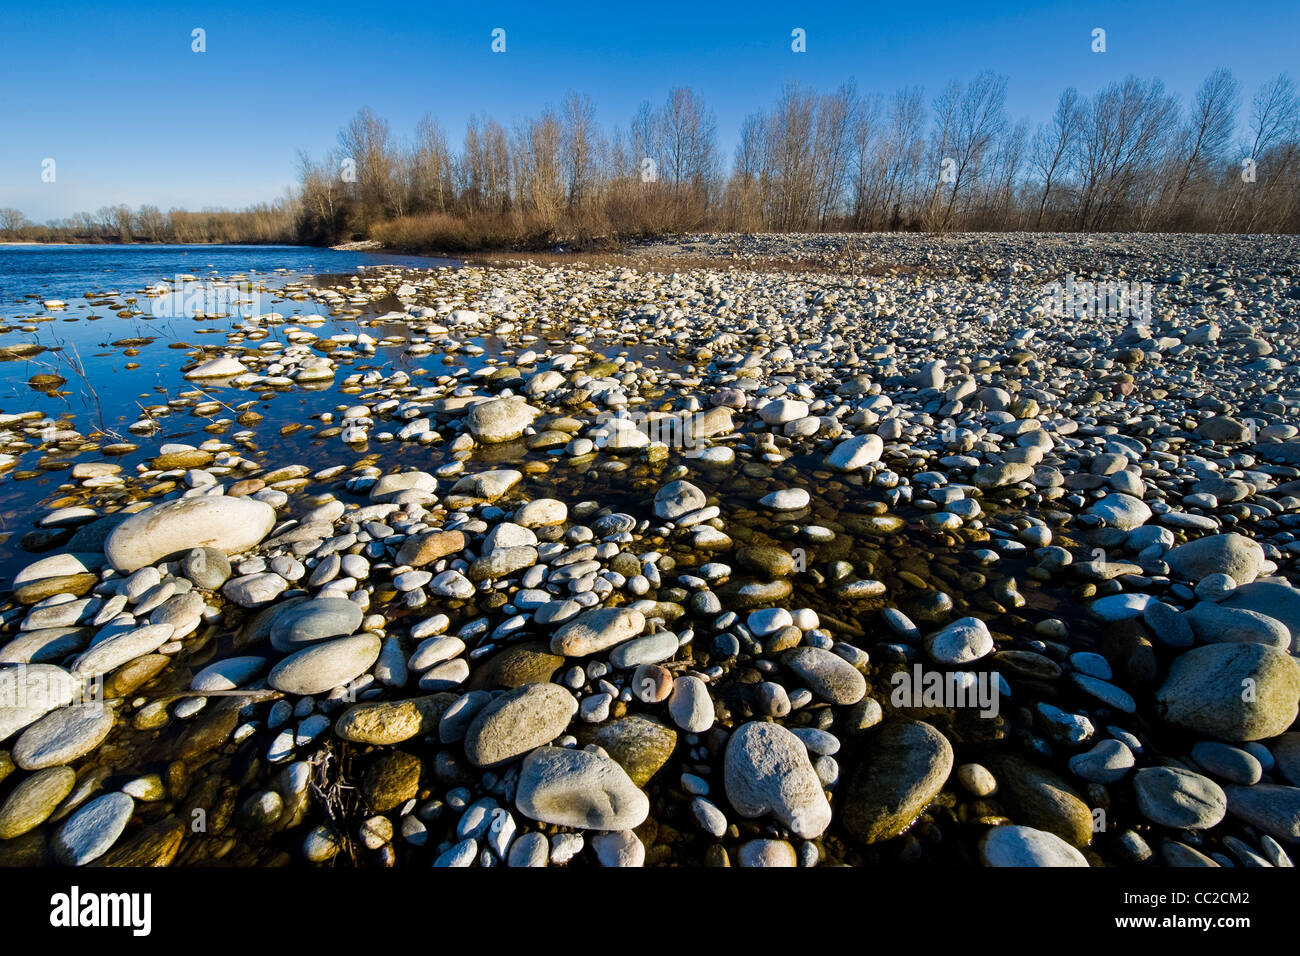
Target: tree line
(263, 223)
(1132, 156)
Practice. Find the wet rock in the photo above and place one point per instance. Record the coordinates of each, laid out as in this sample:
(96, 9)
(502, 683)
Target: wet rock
(229, 525)
(528, 663)
(93, 829)
(639, 745)
(384, 723)
(907, 763)
(1043, 800)
(391, 780)
(31, 802)
(326, 665)
(1205, 689)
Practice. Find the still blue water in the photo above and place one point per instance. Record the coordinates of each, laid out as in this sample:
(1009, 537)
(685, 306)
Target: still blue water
(68, 272)
(112, 395)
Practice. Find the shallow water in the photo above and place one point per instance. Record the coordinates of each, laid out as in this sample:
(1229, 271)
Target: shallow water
(99, 282)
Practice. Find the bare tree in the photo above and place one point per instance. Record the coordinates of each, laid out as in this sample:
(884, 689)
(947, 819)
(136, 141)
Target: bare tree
(980, 119)
(1051, 149)
(11, 222)
(365, 142)
(689, 138)
(538, 173)
(1126, 128)
(430, 166)
(580, 146)
(1207, 132)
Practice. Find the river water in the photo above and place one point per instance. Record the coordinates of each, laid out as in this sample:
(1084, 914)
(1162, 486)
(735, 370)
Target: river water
(102, 288)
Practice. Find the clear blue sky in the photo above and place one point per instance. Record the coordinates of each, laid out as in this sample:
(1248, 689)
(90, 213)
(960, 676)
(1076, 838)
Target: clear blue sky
(131, 115)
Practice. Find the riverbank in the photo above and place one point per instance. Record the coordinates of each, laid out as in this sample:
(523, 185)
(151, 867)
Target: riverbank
(684, 559)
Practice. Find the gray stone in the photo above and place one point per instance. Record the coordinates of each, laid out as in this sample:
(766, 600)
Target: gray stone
(502, 563)
(120, 648)
(1205, 687)
(30, 691)
(827, 675)
(1231, 554)
(597, 630)
(517, 721)
(1001, 474)
(767, 770)
(767, 853)
(326, 665)
(1025, 846)
(619, 849)
(228, 674)
(90, 832)
(255, 590)
(530, 849)
(1121, 511)
(1169, 625)
(1179, 798)
(1215, 623)
(208, 568)
(650, 649)
(1227, 763)
(579, 789)
(228, 525)
(856, 453)
(964, 640)
(319, 620)
(63, 736)
(1286, 757)
(500, 419)
(1107, 762)
(1279, 601)
(390, 487)
(45, 646)
(678, 498)
(1269, 807)
(690, 705)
